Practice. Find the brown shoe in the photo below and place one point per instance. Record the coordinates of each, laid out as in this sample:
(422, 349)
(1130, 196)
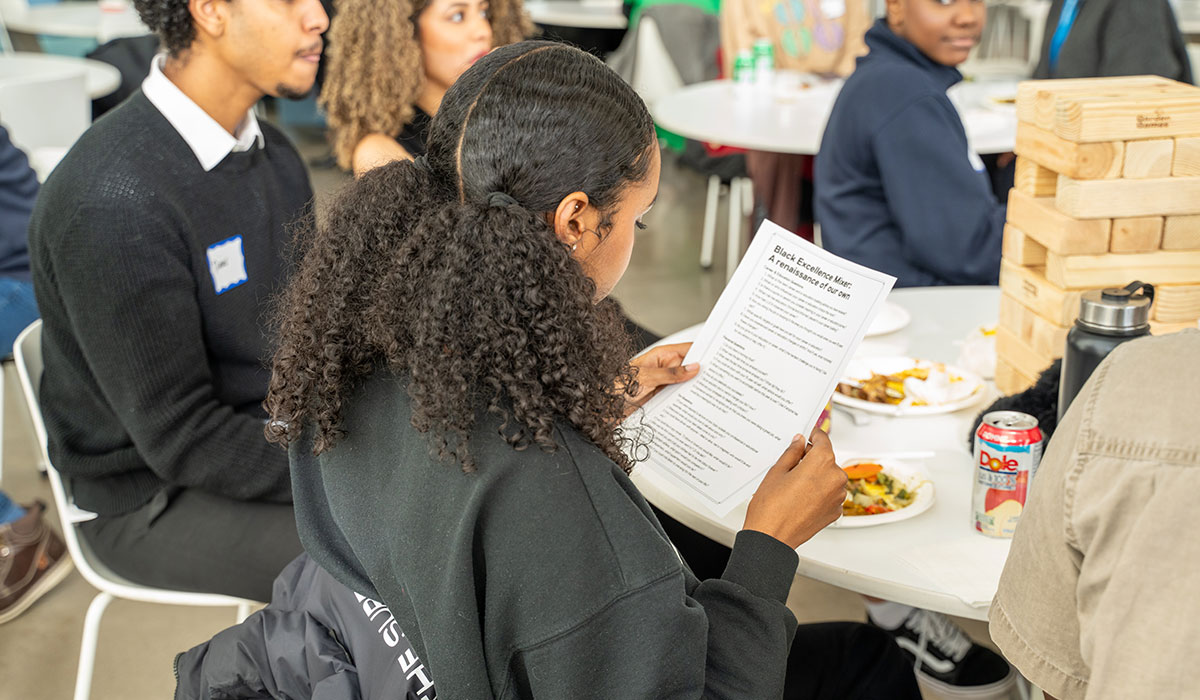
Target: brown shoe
(32, 561)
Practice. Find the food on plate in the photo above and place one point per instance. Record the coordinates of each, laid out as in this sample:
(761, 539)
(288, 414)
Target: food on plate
(928, 385)
(871, 490)
(882, 388)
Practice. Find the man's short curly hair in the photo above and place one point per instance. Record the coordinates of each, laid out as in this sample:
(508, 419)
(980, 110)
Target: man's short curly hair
(171, 20)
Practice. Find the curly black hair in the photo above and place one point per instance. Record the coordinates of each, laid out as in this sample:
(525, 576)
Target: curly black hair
(473, 303)
(170, 20)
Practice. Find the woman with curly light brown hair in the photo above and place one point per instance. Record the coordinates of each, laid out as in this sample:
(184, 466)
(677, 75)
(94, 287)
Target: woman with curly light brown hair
(390, 62)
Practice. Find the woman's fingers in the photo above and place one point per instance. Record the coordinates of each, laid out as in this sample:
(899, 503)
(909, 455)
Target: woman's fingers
(662, 356)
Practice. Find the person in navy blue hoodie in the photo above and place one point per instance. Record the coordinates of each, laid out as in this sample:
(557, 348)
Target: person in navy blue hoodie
(899, 190)
(897, 187)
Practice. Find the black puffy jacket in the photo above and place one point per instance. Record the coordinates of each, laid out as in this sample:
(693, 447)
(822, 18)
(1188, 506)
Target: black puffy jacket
(317, 639)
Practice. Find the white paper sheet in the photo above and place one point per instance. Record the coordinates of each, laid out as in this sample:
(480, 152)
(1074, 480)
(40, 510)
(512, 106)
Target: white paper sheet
(770, 355)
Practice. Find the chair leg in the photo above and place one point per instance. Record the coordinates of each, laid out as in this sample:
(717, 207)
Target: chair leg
(735, 227)
(87, 652)
(243, 611)
(710, 222)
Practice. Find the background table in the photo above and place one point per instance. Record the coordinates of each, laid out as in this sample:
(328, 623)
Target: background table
(581, 14)
(868, 560)
(77, 18)
(100, 78)
(783, 119)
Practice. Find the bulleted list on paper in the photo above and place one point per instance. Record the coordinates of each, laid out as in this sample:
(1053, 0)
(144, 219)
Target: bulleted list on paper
(770, 355)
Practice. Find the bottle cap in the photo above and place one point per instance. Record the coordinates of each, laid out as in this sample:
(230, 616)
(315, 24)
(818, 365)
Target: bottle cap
(1117, 310)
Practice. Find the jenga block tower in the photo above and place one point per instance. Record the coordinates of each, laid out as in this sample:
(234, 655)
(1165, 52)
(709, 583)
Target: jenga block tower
(1107, 191)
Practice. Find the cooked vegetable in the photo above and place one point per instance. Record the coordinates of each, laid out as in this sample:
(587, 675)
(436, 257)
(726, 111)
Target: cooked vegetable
(862, 470)
(883, 388)
(871, 491)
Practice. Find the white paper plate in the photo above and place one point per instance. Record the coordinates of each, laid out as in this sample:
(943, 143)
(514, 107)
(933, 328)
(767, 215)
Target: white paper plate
(892, 317)
(910, 476)
(860, 368)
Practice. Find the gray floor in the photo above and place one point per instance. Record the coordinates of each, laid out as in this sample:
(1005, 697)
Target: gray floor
(665, 289)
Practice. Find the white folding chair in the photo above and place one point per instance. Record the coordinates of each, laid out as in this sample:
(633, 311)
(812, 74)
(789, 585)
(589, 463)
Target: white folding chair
(45, 113)
(654, 75)
(28, 353)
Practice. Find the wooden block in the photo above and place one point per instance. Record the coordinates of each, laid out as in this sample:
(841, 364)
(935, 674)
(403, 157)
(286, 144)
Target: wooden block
(1099, 271)
(1177, 303)
(1043, 337)
(1029, 286)
(1157, 328)
(1137, 235)
(1009, 380)
(1035, 98)
(1033, 179)
(1082, 161)
(1150, 158)
(1040, 220)
(1021, 249)
(1107, 199)
(1131, 117)
(1011, 350)
(1186, 162)
(1181, 233)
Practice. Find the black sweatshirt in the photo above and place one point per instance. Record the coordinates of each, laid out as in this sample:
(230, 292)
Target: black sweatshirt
(152, 377)
(539, 575)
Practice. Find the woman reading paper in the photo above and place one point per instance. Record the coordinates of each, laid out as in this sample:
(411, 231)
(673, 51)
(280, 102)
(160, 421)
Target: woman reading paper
(452, 387)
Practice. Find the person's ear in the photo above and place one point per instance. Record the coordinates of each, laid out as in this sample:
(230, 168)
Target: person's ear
(895, 13)
(574, 217)
(210, 16)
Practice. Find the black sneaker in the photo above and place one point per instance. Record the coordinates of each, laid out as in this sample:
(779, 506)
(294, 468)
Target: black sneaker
(947, 661)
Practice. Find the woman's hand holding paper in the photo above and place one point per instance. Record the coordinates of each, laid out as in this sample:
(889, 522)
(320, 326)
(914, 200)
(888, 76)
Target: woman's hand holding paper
(801, 494)
(659, 367)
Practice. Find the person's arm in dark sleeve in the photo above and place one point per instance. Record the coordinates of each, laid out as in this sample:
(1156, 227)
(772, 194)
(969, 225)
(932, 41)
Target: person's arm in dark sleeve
(728, 639)
(1142, 38)
(130, 294)
(18, 189)
(949, 218)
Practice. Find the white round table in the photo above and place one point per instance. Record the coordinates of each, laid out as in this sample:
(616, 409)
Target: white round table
(788, 119)
(77, 18)
(100, 78)
(582, 14)
(869, 560)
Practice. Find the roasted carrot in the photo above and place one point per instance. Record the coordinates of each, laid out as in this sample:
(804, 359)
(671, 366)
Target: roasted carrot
(862, 470)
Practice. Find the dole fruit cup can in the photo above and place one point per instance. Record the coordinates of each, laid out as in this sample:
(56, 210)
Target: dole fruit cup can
(1008, 449)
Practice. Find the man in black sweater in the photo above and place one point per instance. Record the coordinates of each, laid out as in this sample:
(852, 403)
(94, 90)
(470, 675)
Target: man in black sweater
(156, 245)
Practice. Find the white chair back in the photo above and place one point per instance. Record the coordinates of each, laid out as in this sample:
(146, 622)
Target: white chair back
(654, 73)
(28, 354)
(45, 112)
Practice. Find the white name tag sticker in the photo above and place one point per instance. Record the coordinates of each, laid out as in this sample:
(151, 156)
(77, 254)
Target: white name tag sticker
(227, 264)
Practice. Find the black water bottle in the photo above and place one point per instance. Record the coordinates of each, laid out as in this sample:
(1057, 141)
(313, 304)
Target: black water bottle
(1107, 318)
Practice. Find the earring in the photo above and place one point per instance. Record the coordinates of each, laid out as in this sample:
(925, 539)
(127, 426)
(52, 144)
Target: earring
(574, 246)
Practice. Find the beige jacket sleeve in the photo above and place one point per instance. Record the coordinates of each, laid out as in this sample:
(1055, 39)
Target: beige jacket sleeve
(1098, 597)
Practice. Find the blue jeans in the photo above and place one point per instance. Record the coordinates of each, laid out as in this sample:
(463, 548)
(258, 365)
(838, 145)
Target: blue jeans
(9, 511)
(17, 310)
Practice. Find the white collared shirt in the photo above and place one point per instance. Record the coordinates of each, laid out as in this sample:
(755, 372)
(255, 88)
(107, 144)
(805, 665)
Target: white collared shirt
(207, 139)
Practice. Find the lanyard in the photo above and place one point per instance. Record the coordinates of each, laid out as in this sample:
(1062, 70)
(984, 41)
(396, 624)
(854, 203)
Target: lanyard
(1066, 19)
